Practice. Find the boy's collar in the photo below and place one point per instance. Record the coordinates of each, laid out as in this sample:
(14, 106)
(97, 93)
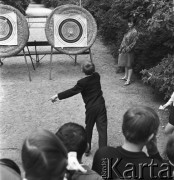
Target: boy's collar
(90, 74)
(132, 147)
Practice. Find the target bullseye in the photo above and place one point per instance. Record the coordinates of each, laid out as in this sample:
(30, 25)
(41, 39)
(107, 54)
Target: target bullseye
(6, 28)
(70, 30)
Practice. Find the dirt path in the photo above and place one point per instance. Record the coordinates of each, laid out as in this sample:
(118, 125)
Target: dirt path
(24, 105)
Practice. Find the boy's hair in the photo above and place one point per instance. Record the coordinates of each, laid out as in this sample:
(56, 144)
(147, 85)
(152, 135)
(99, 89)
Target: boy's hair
(44, 156)
(88, 68)
(74, 137)
(11, 164)
(170, 149)
(139, 123)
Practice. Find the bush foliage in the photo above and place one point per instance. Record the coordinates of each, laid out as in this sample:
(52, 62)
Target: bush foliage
(21, 5)
(38, 1)
(161, 77)
(55, 3)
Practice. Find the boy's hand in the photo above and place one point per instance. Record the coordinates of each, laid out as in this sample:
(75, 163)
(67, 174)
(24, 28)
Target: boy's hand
(152, 146)
(73, 163)
(54, 98)
(161, 107)
(164, 107)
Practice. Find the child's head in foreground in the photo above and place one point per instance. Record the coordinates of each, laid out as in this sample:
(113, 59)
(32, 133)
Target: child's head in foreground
(74, 137)
(9, 170)
(11, 164)
(139, 123)
(44, 156)
(88, 68)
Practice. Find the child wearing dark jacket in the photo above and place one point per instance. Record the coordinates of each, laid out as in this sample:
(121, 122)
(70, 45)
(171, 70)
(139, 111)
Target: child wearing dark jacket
(129, 161)
(74, 138)
(90, 89)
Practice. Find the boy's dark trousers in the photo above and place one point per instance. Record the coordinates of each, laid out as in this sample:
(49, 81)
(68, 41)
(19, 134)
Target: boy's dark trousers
(97, 114)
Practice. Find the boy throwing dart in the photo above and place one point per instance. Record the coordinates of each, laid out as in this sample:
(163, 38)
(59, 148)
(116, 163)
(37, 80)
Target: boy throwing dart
(90, 89)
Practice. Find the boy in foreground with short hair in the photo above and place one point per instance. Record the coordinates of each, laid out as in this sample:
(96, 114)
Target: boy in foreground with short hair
(139, 127)
(90, 89)
(74, 138)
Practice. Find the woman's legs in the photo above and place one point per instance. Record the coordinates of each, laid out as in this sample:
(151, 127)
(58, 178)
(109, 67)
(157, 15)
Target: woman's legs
(129, 73)
(130, 61)
(126, 74)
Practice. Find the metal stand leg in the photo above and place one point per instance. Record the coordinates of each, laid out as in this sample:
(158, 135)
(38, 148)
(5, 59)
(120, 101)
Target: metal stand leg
(27, 65)
(30, 57)
(37, 56)
(91, 58)
(51, 58)
(75, 60)
(1, 63)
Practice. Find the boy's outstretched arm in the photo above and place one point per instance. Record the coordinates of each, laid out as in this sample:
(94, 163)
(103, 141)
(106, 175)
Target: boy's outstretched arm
(68, 93)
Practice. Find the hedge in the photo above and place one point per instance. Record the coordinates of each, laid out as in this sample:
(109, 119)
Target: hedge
(21, 5)
(161, 77)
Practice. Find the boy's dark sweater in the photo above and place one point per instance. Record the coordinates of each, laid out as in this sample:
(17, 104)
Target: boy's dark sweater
(111, 163)
(89, 87)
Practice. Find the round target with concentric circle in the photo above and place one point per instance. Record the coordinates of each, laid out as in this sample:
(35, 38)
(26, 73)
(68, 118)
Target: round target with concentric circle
(70, 30)
(14, 31)
(6, 28)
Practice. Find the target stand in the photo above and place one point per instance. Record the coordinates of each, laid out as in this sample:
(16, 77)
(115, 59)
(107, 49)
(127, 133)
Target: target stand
(14, 33)
(70, 30)
(88, 51)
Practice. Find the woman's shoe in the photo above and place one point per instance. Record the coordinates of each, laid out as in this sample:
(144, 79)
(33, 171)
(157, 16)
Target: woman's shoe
(124, 79)
(127, 83)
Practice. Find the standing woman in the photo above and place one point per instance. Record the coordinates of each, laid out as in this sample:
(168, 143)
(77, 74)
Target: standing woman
(126, 51)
